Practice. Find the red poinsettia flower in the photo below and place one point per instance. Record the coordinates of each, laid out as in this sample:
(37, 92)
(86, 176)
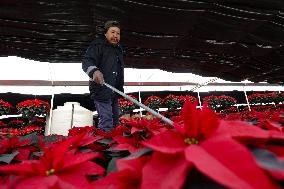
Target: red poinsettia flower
(24, 147)
(16, 144)
(59, 167)
(77, 130)
(16, 123)
(154, 126)
(125, 105)
(12, 144)
(153, 102)
(11, 132)
(5, 107)
(128, 176)
(195, 144)
(131, 143)
(2, 124)
(30, 129)
(87, 140)
(197, 126)
(117, 131)
(30, 108)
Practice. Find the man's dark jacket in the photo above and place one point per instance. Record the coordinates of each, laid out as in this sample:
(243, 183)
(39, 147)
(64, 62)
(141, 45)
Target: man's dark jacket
(102, 55)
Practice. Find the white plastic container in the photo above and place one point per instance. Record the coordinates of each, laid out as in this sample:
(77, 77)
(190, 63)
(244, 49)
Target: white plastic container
(68, 116)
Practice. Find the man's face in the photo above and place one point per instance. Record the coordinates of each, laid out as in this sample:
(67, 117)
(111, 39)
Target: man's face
(113, 35)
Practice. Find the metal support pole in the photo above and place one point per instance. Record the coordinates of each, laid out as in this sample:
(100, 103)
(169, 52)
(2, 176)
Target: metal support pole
(247, 100)
(50, 116)
(199, 99)
(139, 96)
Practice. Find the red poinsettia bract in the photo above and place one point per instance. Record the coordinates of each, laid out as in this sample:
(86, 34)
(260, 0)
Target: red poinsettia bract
(128, 176)
(131, 143)
(9, 145)
(16, 144)
(59, 167)
(153, 126)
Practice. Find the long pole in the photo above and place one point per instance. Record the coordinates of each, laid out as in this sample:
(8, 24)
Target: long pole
(163, 118)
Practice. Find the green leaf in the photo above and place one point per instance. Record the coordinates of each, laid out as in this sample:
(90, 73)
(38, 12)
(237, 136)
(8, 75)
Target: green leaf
(140, 153)
(117, 153)
(104, 141)
(36, 154)
(112, 165)
(267, 159)
(8, 158)
(52, 138)
(32, 137)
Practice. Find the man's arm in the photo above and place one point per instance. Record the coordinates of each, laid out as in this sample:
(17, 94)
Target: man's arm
(91, 60)
(90, 64)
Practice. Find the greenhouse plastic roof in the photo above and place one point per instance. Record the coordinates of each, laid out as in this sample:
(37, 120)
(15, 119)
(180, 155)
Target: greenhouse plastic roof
(233, 39)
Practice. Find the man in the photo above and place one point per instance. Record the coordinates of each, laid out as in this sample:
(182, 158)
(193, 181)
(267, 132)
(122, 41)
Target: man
(103, 62)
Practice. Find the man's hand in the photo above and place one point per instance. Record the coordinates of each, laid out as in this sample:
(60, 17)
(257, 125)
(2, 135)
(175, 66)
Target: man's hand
(98, 77)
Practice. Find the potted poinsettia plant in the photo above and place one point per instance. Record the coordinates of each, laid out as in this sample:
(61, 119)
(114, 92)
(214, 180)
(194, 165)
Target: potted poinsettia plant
(32, 108)
(16, 123)
(212, 101)
(126, 106)
(172, 102)
(5, 107)
(265, 101)
(256, 98)
(2, 124)
(279, 98)
(189, 98)
(262, 98)
(153, 102)
(226, 101)
(220, 102)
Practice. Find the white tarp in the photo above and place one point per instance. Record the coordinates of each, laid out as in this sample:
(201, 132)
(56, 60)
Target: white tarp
(15, 68)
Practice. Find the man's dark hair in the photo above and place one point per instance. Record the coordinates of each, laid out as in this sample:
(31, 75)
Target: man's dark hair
(111, 23)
